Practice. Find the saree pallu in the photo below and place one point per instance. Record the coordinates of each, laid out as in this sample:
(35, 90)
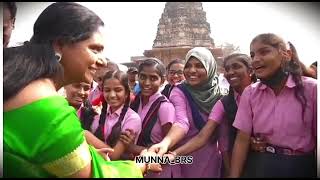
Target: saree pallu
(45, 139)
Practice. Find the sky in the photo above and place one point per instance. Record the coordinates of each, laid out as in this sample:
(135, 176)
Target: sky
(131, 27)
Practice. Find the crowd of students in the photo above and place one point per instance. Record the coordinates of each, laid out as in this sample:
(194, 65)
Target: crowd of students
(264, 127)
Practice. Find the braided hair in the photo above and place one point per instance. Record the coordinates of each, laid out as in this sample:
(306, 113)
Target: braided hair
(115, 134)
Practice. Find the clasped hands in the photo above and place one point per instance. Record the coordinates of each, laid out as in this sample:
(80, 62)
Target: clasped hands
(127, 137)
(161, 149)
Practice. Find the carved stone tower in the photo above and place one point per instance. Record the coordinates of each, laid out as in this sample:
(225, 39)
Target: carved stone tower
(182, 26)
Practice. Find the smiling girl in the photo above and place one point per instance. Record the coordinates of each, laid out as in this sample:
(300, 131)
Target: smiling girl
(77, 93)
(155, 110)
(193, 100)
(174, 76)
(239, 74)
(278, 113)
(116, 116)
(77, 96)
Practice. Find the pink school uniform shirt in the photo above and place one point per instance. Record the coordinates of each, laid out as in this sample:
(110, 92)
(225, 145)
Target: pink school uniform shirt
(217, 115)
(280, 118)
(131, 120)
(207, 160)
(166, 114)
(218, 112)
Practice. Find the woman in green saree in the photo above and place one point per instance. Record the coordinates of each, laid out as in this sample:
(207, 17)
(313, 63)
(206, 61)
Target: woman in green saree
(42, 134)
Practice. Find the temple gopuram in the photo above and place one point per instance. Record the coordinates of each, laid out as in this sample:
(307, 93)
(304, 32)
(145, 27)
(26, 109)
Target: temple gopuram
(182, 26)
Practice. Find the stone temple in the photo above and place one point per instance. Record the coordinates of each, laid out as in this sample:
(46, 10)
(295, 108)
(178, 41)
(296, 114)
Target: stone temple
(182, 26)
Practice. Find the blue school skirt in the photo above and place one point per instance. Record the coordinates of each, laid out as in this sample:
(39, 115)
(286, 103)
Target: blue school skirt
(271, 165)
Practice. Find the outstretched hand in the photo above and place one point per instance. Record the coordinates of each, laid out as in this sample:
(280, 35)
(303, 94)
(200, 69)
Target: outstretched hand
(159, 149)
(171, 155)
(104, 152)
(154, 167)
(128, 137)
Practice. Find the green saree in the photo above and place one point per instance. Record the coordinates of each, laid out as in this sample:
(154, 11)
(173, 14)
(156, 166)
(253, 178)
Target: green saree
(45, 139)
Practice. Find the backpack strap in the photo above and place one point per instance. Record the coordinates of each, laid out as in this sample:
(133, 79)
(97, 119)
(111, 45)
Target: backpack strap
(230, 108)
(149, 121)
(167, 90)
(136, 102)
(86, 115)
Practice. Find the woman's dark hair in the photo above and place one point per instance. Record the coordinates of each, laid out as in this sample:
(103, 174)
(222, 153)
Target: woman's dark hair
(24, 64)
(176, 61)
(66, 22)
(153, 62)
(292, 67)
(305, 71)
(87, 115)
(123, 78)
(245, 59)
(12, 8)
